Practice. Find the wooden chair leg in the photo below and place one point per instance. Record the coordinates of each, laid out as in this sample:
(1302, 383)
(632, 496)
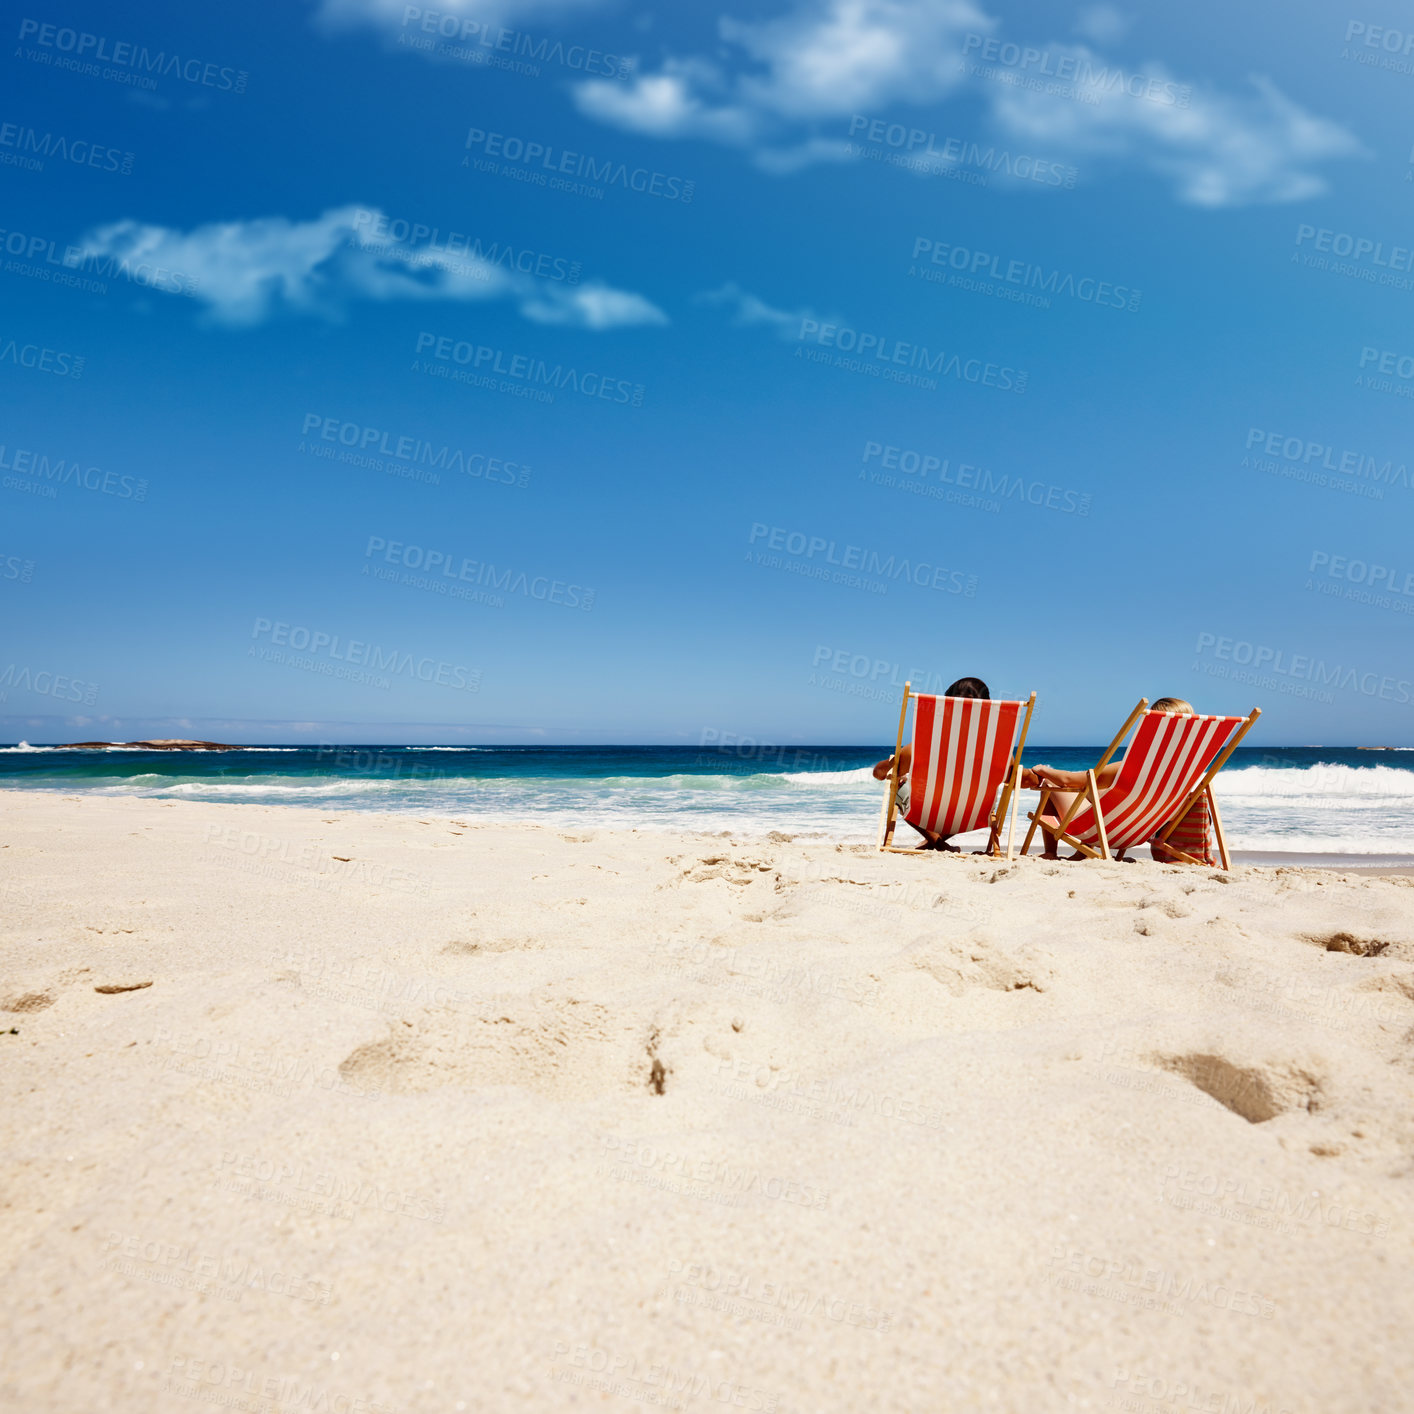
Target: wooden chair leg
(1218, 830)
(994, 825)
(886, 825)
(1015, 801)
(1004, 800)
(1181, 857)
(1094, 790)
(1035, 820)
(1016, 778)
(886, 818)
(1089, 851)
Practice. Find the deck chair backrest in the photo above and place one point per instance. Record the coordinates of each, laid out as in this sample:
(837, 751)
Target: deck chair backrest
(961, 751)
(1162, 767)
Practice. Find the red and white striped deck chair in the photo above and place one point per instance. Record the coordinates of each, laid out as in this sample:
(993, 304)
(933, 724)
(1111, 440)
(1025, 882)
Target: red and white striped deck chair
(962, 755)
(1168, 766)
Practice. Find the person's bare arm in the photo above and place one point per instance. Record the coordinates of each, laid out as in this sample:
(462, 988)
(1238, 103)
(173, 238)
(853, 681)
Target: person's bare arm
(905, 760)
(1069, 780)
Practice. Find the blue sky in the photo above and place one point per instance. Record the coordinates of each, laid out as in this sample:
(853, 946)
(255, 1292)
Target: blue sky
(1133, 290)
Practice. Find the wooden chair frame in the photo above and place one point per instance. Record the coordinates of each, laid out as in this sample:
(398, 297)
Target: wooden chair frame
(1092, 794)
(1008, 797)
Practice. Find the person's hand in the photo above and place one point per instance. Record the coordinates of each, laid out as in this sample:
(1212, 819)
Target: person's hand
(882, 769)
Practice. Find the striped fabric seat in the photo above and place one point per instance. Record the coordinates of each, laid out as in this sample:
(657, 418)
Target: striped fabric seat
(1193, 834)
(961, 753)
(1168, 759)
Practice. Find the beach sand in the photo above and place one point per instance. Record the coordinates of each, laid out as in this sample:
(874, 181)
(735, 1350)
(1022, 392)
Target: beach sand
(355, 1113)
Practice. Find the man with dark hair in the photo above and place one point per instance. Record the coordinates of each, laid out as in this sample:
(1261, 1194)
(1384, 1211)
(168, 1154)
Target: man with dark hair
(969, 687)
(963, 687)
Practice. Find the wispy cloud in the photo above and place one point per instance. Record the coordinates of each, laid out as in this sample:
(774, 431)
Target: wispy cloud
(781, 90)
(748, 310)
(687, 98)
(248, 271)
(819, 61)
(590, 306)
(1220, 150)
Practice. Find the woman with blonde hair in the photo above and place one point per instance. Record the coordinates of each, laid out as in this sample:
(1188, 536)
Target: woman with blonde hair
(1192, 835)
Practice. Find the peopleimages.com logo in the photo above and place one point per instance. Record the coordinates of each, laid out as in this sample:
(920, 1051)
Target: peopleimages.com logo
(1360, 581)
(31, 146)
(483, 366)
(1388, 361)
(560, 162)
(1346, 243)
(919, 151)
(47, 684)
(483, 43)
(1273, 667)
(913, 464)
(380, 234)
(1076, 68)
(894, 354)
(414, 449)
(96, 49)
(70, 471)
(1304, 452)
(44, 258)
(1355, 571)
(1354, 257)
(448, 565)
(241, 1387)
(59, 362)
(970, 265)
(1386, 371)
(1387, 48)
(320, 645)
(798, 545)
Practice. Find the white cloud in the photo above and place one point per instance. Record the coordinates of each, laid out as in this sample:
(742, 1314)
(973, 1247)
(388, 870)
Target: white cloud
(843, 55)
(246, 271)
(748, 310)
(784, 88)
(782, 161)
(592, 306)
(1220, 150)
(687, 99)
(821, 60)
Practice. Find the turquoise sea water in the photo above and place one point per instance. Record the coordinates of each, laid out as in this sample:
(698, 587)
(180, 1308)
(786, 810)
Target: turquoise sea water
(1309, 799)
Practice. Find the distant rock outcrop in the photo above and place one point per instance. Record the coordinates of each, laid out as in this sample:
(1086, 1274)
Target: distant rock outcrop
(162, 745)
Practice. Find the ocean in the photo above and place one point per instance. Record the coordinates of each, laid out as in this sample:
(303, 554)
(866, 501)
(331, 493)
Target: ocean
(1308, 800)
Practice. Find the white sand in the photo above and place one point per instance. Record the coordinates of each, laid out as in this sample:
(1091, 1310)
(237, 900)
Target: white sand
(934, 1134)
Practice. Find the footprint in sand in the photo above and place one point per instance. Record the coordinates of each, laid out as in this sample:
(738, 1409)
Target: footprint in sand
(1348, 943)
(554, 1046)
(720, 866)
(475, 947)
(27, 1001)
(965, 965)
(1255, 1092)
